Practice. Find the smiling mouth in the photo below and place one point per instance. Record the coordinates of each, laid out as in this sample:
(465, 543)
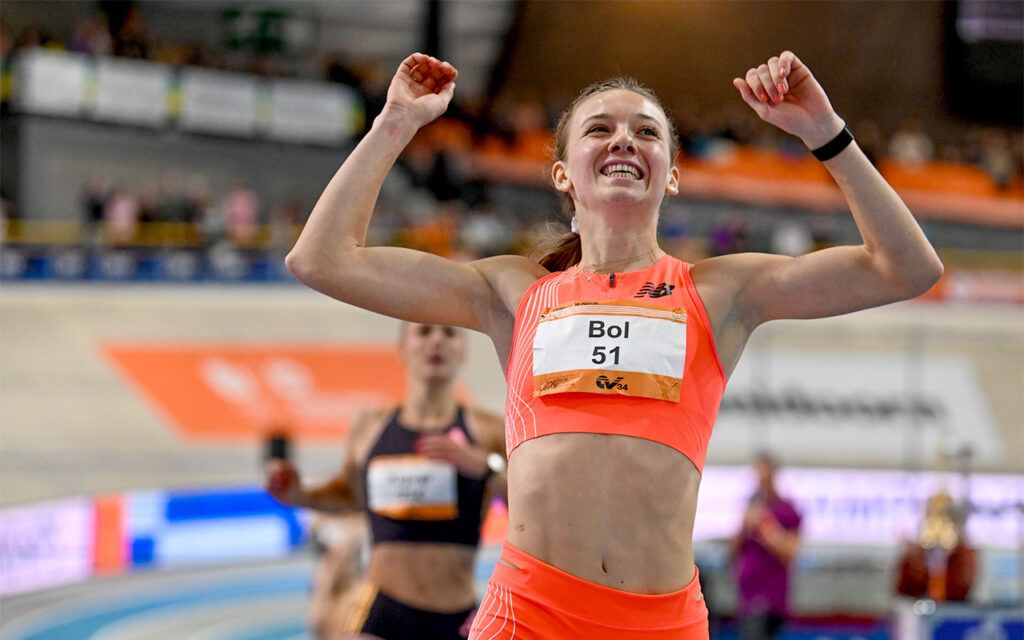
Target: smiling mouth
(621, 171)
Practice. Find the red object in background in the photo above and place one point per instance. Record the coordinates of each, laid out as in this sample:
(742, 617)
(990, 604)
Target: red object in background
(110, 552)
(914, 578)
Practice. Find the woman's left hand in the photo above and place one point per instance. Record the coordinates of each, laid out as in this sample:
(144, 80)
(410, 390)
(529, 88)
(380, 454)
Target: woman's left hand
(467, 458)
(783, 92)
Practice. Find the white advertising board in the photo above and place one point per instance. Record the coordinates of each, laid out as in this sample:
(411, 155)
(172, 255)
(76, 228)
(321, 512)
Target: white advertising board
(51, 82)
(45, 545)
(131, 92)
(312, 112)
(847, 408)
(218, 102)
(866, 507)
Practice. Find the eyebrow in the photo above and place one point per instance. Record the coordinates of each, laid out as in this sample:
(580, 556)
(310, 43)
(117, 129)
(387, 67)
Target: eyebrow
(606, 116)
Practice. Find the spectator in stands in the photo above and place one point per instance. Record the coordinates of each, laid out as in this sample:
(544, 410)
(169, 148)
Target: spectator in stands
(729, 235)
(196, 211)
(92, 35)
(763, 551)
(940, 564)
(486, 232)
(175, 209)
(996, 157)
(338, 70)
(285, 219)
(871, 140)
(241, 209)
(433, 170)
(33, 36)
(911, 144)
(121, 217)
(149, 204)
(791, 238)
(131, 36)
(94, 205)
(7, 43)
(7, 214)
(531, 134)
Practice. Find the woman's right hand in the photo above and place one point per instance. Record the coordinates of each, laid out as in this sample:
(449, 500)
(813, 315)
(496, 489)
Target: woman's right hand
(283, 482)
(421, 90)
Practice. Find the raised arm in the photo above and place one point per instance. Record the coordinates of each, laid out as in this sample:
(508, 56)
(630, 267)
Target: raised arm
(330, 254)
(895, 261)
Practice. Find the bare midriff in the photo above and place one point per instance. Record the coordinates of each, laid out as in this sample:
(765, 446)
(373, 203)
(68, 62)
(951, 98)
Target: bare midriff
(613, 510)
(430, 576)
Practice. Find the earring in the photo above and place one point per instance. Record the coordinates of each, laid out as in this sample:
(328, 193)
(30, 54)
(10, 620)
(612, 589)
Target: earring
(574, 225)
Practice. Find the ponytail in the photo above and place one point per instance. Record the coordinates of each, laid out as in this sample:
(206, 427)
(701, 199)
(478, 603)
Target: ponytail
(566, 253)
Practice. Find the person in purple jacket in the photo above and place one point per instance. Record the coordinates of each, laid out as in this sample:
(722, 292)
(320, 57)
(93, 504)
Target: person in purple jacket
(763, 551)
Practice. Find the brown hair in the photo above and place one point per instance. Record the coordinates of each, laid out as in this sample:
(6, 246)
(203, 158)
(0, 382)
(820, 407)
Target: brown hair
(568, 250)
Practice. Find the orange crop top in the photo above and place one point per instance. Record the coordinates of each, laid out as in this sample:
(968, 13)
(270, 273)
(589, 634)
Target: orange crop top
(626, 353)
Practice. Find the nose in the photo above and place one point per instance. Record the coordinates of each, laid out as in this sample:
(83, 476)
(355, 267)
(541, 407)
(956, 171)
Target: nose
(437, 336)
(622, 142)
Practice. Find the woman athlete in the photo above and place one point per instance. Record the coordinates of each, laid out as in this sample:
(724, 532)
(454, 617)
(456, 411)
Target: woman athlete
(424, 474)
(616, 354)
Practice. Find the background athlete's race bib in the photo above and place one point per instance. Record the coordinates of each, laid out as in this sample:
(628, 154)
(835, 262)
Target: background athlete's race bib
(621, 347)
(410, 487)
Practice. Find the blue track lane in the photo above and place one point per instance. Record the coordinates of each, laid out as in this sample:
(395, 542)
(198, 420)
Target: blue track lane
(78, 622)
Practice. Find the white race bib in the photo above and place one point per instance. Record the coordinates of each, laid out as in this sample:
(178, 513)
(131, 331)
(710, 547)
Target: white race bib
(621, 347)
(411, 487)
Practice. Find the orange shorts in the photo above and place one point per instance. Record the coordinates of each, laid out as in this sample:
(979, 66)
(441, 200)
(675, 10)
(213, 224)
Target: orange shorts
(542, 602)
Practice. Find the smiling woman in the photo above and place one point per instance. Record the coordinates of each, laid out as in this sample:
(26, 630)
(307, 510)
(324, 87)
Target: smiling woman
(616, 353)
(651, 123)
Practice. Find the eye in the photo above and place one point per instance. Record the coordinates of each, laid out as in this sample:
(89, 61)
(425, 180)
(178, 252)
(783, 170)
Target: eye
(649, 131)
(597, 127)
(449, 332)
(425, 329)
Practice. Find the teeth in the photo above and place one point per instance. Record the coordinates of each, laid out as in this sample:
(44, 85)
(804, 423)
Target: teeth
(621, 171)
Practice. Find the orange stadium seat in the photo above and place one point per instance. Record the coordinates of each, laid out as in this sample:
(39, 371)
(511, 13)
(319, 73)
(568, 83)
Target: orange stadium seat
(941, 177)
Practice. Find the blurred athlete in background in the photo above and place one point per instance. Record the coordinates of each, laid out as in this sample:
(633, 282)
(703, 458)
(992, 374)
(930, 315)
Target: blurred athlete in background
(424, 474)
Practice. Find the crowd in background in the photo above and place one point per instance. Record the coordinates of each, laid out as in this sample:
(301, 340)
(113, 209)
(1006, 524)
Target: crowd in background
(440, 199)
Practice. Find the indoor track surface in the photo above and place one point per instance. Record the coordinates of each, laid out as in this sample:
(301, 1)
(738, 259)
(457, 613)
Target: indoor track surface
(266, 601)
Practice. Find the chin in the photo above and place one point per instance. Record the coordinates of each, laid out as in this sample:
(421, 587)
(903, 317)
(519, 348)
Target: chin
(441, 373)
(640, 202)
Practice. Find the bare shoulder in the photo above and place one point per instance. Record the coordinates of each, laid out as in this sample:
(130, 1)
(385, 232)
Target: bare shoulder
(510, 276)
(721, 280)
(733, 270)
(366, 427)
(489, 428)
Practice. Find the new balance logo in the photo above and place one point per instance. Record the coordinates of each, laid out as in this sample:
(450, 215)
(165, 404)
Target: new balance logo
(651, 291)
(604, 382)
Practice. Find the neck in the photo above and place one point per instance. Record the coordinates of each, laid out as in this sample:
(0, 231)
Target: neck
(618, 239)
(607, 248)
(429, 405)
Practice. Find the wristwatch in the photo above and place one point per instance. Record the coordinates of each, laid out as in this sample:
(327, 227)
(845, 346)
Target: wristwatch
(495, 463)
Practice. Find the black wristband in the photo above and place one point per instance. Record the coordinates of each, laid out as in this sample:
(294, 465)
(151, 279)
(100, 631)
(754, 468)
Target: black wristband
(833, 147)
